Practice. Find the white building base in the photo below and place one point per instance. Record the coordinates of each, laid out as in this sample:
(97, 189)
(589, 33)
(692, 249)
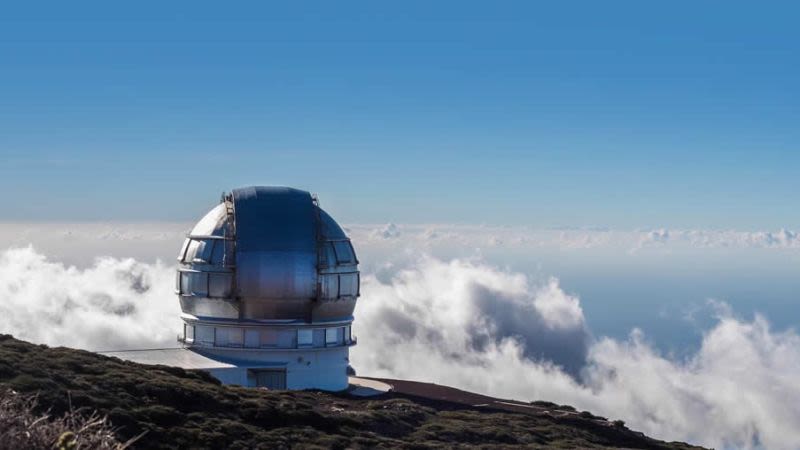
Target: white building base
(324, 369)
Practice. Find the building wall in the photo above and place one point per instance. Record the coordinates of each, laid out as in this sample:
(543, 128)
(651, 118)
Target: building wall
(324, 369)
(235, 375)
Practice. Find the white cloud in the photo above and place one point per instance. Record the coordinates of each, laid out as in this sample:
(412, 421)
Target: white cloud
(388, 231)
(456, 321)
(114, 304)
(663, 239)
(458, 308)
(740, 390)
(469, 325)
(80, 243)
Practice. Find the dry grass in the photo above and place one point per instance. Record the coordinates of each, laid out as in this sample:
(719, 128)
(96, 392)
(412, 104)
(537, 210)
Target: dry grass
(22, 427)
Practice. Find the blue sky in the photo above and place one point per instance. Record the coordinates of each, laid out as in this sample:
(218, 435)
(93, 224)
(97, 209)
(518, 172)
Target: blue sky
(581, 116)
(620, 114)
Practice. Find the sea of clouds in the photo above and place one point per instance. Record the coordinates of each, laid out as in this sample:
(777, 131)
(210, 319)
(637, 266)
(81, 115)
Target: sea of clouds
(459, 320)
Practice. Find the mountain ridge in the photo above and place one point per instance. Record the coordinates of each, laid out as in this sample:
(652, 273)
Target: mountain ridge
(174, 408)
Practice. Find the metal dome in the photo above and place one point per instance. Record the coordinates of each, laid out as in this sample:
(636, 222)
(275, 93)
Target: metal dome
(268, 254)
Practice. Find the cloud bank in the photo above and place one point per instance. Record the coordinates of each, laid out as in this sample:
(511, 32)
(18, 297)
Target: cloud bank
(460, 309)
(113, 304)
(468, 324)
(576, 238)
(80, 243)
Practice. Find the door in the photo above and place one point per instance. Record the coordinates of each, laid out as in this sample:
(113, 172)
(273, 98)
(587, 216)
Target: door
(272, 379)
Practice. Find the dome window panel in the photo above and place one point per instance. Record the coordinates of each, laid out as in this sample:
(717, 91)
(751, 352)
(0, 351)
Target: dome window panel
(182, 254)
(185, 287)
(203, 252)
(344, 252)
(199, 283)
(217, 252)
(328, 255)
(329, 286)
(191, 251)
(219, 285)
(348, 284)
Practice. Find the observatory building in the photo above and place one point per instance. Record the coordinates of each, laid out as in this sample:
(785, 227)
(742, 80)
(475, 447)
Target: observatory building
(267, 283)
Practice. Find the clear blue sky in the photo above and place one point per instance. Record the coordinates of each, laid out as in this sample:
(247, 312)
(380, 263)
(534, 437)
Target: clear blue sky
(622, 114)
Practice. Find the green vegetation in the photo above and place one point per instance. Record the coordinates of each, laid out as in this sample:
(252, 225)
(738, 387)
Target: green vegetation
(175, 408)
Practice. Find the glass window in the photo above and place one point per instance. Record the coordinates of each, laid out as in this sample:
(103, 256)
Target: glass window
(188, 332)
(204, 334)
(328, 255)
(191, 252)
(348, 284)
(199, 283)
(182, 254)
(305, 338)
(331, 336)
(319, 337)
(204, 250)
(251, 338)
(219, 285)
(287, 338)
(185, 287)
(217, 252)
(330, 285)
(269, 338)
(236, 337)
(344, 252)
(229, 337)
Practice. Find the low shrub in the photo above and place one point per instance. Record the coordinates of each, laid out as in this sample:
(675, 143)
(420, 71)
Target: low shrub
(22, 427)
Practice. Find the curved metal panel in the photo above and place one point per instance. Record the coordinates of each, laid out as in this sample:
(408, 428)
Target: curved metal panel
(276, 251)
(212, 224)
(210, 307)
(269, 253)
(329, 228)
(334, 310)
(274, 219)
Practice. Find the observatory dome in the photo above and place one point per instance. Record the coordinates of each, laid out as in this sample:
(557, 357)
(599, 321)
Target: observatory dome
(268, 254)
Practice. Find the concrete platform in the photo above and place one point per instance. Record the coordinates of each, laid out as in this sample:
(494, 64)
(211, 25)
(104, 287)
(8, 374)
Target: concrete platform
(187, 359)
(178, 357)
(363, 387)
